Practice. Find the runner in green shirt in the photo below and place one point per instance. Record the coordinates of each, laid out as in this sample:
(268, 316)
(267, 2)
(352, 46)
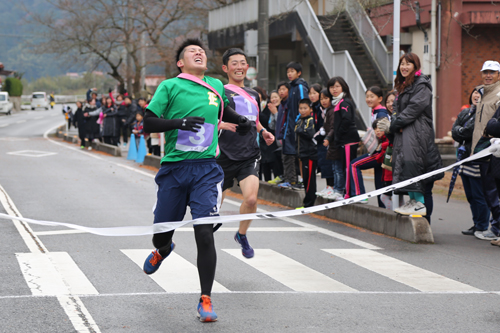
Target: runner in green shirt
(187, 109)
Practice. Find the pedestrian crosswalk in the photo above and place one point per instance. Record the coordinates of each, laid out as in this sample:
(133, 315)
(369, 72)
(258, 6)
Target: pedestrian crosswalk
(56, 274)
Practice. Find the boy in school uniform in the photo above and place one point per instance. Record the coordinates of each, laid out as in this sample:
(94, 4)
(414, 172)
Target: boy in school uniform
(307, 150)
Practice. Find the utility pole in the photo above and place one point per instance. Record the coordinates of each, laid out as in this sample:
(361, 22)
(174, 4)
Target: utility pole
(128, 58)
(263, 45)
(434, 39)
(396, 40)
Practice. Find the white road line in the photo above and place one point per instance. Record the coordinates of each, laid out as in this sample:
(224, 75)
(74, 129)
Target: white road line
(315, 228)
(401, 271)
(38, 118)
(276, 292)
(178, 275)
(73, 277)
(4, 125)
(20, 121)
(289, 272)
(77, 313)
(53, 274)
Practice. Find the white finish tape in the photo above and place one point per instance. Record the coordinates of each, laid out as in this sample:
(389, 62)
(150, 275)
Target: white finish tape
(169, 226)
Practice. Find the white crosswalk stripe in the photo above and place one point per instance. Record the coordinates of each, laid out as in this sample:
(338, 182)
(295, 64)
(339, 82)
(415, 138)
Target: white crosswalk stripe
(289, 272)
(54, 273)
(401, 271)
(179, 276)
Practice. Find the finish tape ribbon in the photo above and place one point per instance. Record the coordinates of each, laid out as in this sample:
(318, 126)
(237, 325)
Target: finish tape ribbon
(169, 226)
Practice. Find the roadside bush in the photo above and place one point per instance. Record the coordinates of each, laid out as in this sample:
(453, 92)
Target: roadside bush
(13, 86)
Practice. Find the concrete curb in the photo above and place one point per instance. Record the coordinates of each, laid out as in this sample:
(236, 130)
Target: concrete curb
(105, 148)
(152, 161)
(412, 229)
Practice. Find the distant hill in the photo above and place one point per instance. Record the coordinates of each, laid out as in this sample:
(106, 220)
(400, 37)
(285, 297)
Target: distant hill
(14, 32)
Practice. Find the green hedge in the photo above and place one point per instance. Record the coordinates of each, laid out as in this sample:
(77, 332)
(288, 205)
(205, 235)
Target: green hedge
(13, 86)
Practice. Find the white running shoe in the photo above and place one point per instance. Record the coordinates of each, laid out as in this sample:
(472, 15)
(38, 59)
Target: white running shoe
(329, 191)
(333, 196)
(322, 192)
(415, 207)
(405, 206)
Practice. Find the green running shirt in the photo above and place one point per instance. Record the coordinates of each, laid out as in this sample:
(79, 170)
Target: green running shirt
(178, 98)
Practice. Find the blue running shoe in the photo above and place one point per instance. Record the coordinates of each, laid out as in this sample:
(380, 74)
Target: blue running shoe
(154, 260)
(246, 249)
(206, 311)
(285, 185)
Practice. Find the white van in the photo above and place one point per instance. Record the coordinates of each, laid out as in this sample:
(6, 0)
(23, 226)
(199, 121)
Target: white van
(39, 100)
(5, 103)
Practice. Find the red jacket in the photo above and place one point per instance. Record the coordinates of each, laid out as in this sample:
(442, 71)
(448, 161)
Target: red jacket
(386, 174)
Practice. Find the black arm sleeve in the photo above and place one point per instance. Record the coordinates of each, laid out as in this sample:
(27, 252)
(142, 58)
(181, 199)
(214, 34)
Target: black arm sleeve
(230, 116)
(153, 124)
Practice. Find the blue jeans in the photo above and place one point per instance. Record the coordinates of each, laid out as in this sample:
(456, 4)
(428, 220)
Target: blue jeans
(473, 188)
(338, 176)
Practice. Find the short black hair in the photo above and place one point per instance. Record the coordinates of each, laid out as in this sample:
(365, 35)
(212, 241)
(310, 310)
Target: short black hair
(316, 87)
(230, 52)
(325, 92)
(262, 92)
(305, 101)
(180, 51)
(295, 65)
(376, 90)
(470, 97)
(284, 83)
(141, 99)
(343, 84)
(376, 121)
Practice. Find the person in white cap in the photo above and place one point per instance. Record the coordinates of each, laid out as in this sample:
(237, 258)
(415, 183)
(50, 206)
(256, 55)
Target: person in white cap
(485, 110)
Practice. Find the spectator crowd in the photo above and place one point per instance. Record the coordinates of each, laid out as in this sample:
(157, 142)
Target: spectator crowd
(317, 130)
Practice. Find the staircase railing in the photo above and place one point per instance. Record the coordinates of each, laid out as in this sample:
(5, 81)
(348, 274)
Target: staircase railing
(371, 38)
(334, 63)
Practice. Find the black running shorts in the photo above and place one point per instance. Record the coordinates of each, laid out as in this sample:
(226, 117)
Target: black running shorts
(237, 169)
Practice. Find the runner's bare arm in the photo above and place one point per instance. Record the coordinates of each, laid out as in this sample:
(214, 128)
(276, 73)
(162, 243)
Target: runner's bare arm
(153, 124)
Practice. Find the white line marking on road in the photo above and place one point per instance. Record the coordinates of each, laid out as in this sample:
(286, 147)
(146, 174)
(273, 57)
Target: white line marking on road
(53, 273)
(36, 118)
(289, 272)
(401, 271)
(315, 228)
(20, 121)
(275, 292)
(179, 275)
(73, 277)
(72, 305)
(4, 125)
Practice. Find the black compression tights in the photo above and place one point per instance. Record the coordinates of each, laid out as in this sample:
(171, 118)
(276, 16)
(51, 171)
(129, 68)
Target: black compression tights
(207, 257)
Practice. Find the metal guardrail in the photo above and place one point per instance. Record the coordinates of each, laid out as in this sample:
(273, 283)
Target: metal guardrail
(335, 63)
(371, 38)
(59, 98)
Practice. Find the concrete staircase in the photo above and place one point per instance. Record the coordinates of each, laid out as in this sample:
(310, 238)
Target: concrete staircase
(342, 36)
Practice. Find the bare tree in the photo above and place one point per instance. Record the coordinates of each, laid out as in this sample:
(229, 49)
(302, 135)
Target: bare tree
(108, 32)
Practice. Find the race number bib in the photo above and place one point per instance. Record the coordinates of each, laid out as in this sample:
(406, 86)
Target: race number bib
(245, 108)
(199, 141)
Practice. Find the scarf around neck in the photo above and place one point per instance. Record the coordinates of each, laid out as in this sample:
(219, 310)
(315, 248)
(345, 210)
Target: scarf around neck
(336, 100)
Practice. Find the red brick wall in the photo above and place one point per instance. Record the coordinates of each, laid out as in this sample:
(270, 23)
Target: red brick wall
(475, 51)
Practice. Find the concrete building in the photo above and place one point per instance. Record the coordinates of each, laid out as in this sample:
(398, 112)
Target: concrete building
(354, 41)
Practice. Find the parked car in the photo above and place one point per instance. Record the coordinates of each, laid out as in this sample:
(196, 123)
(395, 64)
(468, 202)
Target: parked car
(39, 100)
(5, 103)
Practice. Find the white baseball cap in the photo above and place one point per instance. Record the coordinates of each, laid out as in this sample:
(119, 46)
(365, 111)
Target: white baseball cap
(491, 65)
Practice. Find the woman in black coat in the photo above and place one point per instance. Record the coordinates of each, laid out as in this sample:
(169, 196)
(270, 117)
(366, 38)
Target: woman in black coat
(79, 121)
(414, 152)
(110, 126)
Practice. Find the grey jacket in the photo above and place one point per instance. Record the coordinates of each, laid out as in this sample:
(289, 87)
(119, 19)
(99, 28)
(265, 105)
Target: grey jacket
(414, 151)
(485, 110)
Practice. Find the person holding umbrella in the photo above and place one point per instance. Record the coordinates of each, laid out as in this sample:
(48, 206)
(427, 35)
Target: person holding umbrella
(471, 176)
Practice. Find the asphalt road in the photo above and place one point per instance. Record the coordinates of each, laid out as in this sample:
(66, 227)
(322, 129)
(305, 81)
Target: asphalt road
(308, 274)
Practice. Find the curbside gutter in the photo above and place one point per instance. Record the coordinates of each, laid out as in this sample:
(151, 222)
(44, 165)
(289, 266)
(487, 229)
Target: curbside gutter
(412, 229)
